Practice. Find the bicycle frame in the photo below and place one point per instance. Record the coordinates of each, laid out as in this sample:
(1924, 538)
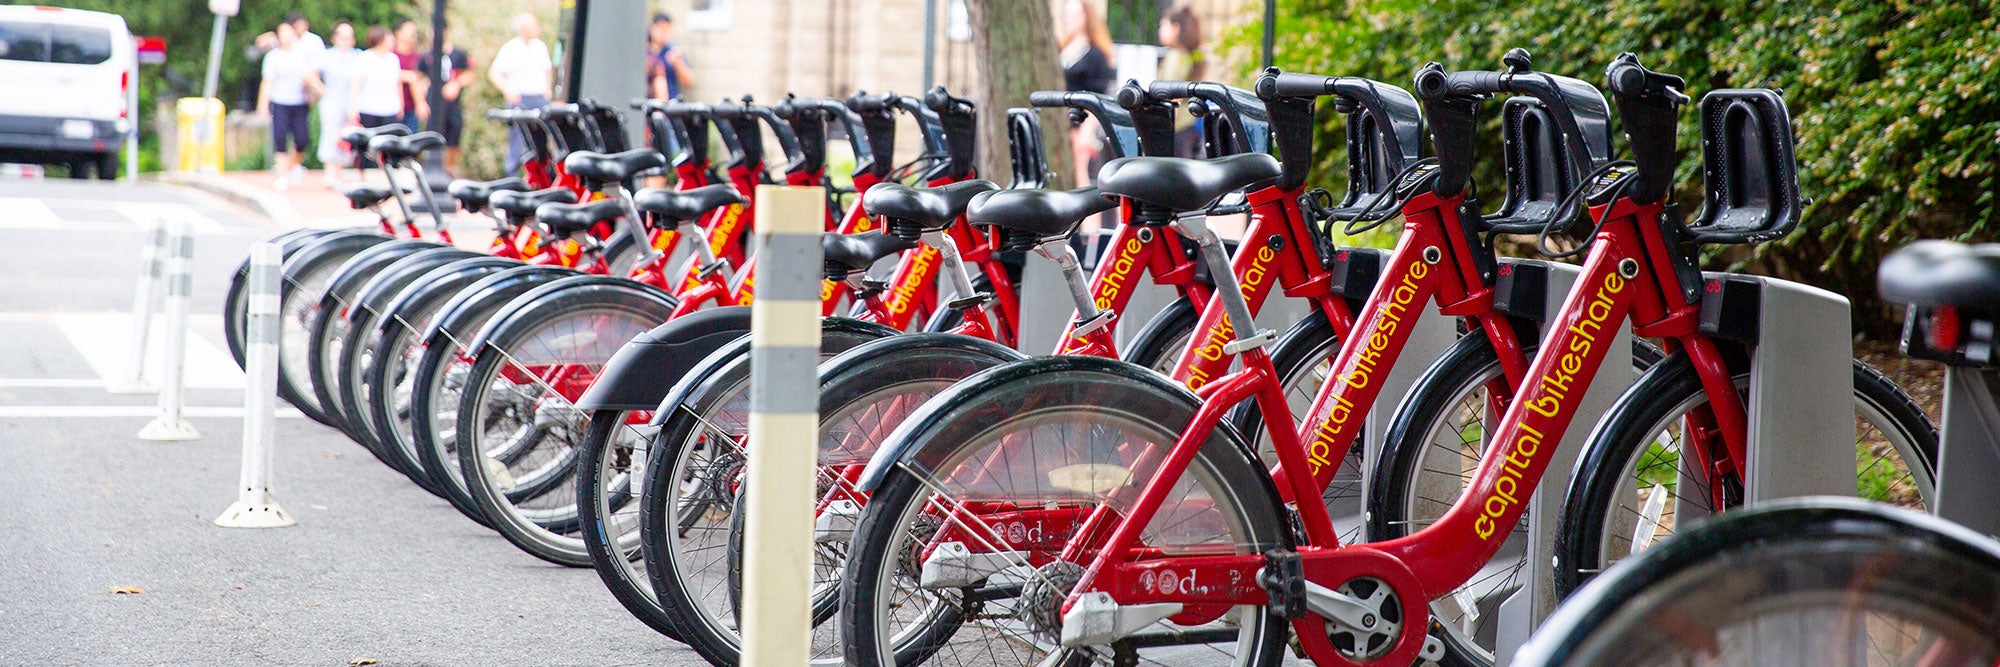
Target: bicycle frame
(1628, 273)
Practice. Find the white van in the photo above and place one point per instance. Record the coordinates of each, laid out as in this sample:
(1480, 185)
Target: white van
(65, 74)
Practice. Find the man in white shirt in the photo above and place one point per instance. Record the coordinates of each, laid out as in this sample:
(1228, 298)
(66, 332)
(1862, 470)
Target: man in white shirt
(309, 44)
(523, 73)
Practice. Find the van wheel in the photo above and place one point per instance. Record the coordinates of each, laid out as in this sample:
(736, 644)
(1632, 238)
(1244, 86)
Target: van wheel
(107, 166)
(80, 169)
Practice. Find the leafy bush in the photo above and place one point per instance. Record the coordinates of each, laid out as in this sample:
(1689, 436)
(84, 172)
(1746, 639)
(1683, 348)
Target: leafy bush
(1894, 103)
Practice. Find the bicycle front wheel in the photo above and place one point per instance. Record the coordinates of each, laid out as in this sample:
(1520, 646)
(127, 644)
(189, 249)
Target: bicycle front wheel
(1001, 464)
(1637, 483)
(1829, 582)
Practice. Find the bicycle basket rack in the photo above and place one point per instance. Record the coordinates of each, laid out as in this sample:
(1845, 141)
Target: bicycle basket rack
(1752, 177)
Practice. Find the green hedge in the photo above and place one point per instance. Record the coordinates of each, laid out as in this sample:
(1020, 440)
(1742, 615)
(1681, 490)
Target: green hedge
(1896, 104)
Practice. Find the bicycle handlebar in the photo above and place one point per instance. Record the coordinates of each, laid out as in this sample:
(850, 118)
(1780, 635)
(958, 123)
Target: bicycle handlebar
(1243, 113)
(787, 142)
(1649, 105)
(1118, 123)
(1451, 100)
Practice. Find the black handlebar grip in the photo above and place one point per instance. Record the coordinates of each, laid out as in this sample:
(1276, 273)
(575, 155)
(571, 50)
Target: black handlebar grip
(1173, 90)
(1275, 84)
(862, 102)
(942, 102)
(1131, 96)
(1433, 83)
(1047, 98)
(1626, 79)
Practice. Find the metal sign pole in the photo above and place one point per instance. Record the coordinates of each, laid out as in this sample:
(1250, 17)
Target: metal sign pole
(784, 427)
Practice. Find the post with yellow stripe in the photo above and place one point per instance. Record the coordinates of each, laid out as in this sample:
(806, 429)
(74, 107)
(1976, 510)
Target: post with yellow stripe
(784, 426)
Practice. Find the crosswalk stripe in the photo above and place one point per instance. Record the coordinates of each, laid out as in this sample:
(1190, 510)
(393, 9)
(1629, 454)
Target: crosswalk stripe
(135, 411)
(102, 338)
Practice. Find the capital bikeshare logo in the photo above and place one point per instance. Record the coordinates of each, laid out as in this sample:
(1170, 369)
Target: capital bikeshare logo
(1553, 393)
(1119, 273)
(1220, 334)
(1340, 417)
(904, 296)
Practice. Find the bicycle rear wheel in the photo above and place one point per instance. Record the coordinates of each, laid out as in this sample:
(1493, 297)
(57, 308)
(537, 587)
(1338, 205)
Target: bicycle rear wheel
(1833, 582)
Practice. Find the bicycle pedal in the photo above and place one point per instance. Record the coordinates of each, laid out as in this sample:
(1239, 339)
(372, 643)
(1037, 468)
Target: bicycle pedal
(1283, 578)
(973, 301)
(1102, 319)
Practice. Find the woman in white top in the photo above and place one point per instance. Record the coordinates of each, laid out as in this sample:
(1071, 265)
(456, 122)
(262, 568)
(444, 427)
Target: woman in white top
(376, 94)
(522, 72)
(336, 70)
(282, 98)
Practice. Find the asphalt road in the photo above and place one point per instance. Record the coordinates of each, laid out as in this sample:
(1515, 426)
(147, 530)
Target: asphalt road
(377, 569)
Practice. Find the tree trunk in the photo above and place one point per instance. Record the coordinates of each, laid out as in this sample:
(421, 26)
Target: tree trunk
(1014, 43)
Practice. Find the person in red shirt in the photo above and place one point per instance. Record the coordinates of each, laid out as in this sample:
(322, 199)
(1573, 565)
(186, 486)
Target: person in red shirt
(416, 104)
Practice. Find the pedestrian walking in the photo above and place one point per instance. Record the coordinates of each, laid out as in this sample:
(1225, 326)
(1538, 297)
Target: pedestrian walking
(309, 43)
(336, 73)
(1085, 50)
(1180, 34)
(667, 72)
(524, 75)
(375, 94)
(416, 108)
(449, 82)
(281, 98)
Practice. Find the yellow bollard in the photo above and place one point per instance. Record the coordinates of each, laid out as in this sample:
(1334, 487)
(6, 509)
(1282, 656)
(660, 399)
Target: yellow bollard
(200, 123)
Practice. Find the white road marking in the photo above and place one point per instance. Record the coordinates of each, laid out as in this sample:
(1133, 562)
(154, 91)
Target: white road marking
(27, 213)
(51, 383)
(102, 338)
(135, 411)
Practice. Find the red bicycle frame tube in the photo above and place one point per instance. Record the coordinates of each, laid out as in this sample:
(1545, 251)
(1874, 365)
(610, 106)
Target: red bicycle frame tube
(1277, 248)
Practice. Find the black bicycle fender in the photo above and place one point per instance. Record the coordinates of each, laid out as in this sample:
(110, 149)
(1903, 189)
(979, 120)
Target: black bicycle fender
(644, 370)
(545, 300)
(507, 284)
(900, 449)
(704, 369)
(455, 277)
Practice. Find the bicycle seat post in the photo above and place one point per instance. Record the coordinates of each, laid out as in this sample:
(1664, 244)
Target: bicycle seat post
(1195, 226)
(1088, 317)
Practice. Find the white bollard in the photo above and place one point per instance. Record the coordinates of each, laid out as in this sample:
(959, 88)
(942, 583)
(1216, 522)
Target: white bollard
(784, 427)
(255, 507)
(145, 303)
(171, 424)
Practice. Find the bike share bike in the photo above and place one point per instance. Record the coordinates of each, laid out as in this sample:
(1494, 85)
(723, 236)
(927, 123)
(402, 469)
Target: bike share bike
(1146, 513)
(541, 417)
(938, 252)
(1624, 494)
(1833, 581)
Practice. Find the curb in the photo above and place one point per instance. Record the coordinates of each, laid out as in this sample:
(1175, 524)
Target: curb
(269, 204)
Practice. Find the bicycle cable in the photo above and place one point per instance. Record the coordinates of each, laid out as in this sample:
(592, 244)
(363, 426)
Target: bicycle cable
(1360, 218)
(1569, 202)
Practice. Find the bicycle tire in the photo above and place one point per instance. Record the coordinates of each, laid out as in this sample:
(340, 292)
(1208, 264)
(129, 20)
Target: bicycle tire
(568, 326)
(328, 333)
(433, 395)
(608, 509)
(350, 387)
(1801, 581)
(1671, 389)
(1158, 343)
(398, 342)
(1064, 391)
(235, 303)
(853, 388)
(306, 274)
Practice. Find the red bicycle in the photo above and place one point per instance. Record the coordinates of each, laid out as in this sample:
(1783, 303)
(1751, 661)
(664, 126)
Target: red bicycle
(1087, 511)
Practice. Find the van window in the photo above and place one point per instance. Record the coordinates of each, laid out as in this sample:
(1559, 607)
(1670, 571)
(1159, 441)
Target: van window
(79, 45)
(24, 41)
(45, 43)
